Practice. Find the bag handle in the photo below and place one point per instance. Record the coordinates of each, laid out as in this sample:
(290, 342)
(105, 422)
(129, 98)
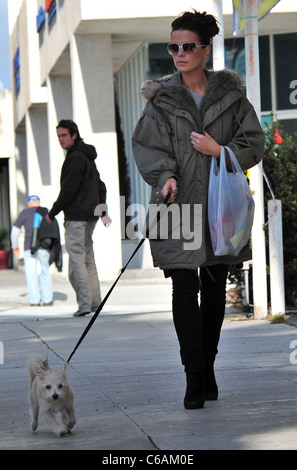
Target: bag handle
(233, 159)
(214, 161)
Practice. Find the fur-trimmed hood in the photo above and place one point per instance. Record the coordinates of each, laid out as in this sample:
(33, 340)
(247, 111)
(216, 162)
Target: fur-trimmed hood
(219, 84)
(223, 89)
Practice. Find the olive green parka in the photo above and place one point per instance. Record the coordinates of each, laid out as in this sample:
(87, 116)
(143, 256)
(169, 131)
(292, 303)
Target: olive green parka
(162, 149)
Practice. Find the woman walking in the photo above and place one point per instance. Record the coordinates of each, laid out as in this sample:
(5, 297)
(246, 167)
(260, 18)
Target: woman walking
(188, 117)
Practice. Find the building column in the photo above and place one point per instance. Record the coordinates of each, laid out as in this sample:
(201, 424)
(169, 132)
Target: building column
(59, 107)
(93, 111)
(38, 175)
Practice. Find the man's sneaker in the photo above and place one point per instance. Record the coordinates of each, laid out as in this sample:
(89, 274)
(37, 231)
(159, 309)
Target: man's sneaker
(80, 313)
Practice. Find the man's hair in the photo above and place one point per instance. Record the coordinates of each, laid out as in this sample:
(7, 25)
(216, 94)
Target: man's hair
(72, 127)
(203, 24)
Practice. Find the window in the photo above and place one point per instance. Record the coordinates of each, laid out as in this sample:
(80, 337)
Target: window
(160, 61)
(286, 68)
(289, 125)
(235, 59)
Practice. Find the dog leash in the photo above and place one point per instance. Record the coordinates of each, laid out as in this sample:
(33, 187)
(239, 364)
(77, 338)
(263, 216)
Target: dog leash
(94, 317)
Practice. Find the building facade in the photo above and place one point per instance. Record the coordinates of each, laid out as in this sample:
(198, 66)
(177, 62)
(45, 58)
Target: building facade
(78, 59)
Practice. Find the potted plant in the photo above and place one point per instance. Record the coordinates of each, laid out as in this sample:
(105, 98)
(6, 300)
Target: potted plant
(4, 248)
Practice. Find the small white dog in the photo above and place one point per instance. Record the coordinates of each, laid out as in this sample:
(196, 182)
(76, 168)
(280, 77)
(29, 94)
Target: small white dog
(51, 393)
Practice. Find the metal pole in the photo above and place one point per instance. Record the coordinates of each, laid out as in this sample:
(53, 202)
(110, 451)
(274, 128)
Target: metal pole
(246, 297)
(277, 285)
(218, 42)
(256, 179)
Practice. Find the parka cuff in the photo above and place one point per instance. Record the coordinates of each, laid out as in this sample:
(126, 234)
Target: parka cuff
(165, 176)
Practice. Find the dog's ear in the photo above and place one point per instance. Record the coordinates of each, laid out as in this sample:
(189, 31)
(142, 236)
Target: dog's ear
(44, 363)
(38, 366)
(42, 366)
(39, 370)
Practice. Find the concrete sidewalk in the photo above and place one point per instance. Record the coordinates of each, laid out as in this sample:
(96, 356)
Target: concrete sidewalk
(127, 377)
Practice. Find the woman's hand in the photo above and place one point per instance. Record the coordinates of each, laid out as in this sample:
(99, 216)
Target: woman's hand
(204, 143)
(170, 187)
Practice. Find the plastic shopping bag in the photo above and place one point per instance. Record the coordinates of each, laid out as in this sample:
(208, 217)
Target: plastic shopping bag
(230, 206)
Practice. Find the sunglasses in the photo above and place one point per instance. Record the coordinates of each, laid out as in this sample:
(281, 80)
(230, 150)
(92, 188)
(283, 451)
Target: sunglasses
(187, 47)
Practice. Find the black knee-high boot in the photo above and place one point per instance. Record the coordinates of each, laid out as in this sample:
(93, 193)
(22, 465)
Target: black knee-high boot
(213, 298)
(187, 322)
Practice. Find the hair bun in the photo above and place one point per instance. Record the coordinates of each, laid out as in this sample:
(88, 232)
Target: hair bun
(203, 24)
(208, 22)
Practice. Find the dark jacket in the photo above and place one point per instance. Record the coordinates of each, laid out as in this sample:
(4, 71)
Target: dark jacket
(162, 149)
(81, 187)
(47, 236)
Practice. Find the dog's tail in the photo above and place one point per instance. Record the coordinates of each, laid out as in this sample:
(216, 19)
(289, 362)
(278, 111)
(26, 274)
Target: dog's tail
(37, 366)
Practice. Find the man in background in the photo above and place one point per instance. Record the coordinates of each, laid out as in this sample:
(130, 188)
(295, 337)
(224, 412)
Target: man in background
(44, 295)
(81, 191)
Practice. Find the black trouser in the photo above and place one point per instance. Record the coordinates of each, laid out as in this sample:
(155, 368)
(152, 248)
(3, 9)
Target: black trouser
(198, 328)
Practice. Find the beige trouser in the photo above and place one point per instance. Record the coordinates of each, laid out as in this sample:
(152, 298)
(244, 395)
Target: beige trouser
(82, 269)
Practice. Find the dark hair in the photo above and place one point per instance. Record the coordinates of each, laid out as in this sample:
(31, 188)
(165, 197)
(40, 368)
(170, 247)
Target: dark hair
(72, 127)
(203, 24)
